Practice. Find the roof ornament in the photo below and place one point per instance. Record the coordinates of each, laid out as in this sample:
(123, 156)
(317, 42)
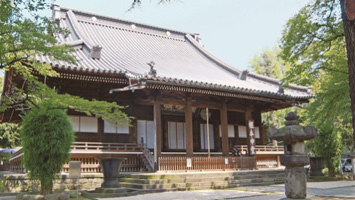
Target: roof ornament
(197, 37)
(95, 52)
(93, 18)
(55, 11)
(281, 88)
(243, 75)
(153, 70)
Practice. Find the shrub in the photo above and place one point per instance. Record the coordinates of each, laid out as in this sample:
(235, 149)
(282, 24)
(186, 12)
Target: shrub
(329, 145)
(46, 136)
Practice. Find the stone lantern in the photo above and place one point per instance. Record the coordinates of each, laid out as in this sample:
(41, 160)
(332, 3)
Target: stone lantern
(294, 157)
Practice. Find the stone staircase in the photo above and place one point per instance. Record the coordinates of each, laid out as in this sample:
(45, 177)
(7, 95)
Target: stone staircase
(145, 183)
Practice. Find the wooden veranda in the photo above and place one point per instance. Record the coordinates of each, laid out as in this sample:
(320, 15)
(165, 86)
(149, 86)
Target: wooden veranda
(139, 158)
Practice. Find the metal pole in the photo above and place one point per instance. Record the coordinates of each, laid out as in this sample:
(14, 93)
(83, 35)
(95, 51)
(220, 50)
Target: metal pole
(208, 134)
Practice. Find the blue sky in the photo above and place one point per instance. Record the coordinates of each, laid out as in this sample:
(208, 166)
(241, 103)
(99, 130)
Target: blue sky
(233, 30)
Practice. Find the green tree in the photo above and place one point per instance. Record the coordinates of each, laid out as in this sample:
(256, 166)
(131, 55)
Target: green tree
(24, 34)
(329, 146)
(307, 39)
(269, 63)
(313, 44)
(348, 24)
(1, 79)
(46, 136)
(9, 135)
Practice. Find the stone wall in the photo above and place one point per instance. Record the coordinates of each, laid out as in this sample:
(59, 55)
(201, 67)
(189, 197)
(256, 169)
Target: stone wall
(21, 183)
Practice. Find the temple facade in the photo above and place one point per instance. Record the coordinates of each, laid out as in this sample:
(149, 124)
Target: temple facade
(191, 110)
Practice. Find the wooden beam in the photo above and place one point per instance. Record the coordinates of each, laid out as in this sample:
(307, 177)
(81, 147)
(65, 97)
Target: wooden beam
(224, 128)
(158, 132)
(189, 128)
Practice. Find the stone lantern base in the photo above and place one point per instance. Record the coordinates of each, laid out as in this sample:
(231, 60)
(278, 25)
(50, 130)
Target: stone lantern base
(295, 183)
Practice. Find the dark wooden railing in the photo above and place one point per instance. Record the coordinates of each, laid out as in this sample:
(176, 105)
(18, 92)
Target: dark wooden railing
(180, 163)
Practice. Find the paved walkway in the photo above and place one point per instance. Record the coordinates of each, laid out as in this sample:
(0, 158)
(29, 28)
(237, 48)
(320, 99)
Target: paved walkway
(317, 191)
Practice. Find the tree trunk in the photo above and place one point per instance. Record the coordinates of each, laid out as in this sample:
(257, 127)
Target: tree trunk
(46, 187)
(331, 172)
(348, 15)
(349, 32)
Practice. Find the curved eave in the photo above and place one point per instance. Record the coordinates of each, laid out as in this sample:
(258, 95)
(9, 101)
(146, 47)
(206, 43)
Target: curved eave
(227, 89)
(70, 68)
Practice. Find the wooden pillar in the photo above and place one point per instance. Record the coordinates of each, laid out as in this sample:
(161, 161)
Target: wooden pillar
(224, 129)
(101, 129)
(263, 136)
(158, 133)
(262, 131)
(249, 122)
(188, 127)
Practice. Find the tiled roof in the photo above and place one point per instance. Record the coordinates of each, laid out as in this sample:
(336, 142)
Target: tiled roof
(179, 58)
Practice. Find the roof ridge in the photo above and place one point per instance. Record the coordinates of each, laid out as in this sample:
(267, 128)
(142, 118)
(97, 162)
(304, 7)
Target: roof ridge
(130, 30)
(215, 59)
(123, 20)
(74, 21)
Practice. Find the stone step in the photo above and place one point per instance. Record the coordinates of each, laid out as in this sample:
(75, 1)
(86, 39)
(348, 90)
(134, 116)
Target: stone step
(195, 181)
(208, 184)
(200, 175)
(153, 190)
(173, 179)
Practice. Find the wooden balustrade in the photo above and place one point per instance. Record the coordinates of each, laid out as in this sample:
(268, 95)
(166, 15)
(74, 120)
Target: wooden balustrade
(176, 163)
(17, 154)
(105, 147)
(92, 164)
(261, 149)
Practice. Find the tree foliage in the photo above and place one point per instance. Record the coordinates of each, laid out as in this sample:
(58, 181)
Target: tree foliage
(329, 146)
(23, 38)
(46, 135)
(314, 47)
(307, 39)
(46, 132)
(9, 135)
(268, 63)
(24, 34)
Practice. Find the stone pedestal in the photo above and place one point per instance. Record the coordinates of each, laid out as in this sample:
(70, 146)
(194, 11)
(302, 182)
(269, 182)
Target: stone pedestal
(295, 182)
(111, 168)
(294, 158)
